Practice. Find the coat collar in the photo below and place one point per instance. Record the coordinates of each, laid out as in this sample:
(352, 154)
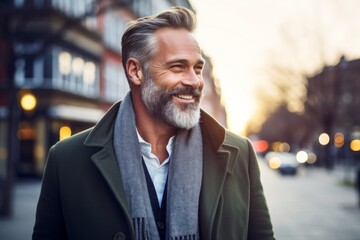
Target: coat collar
(102, 133)
(101, 136)
(219, 159)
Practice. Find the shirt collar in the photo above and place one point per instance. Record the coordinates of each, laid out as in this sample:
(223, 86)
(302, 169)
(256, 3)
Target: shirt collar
(145, 147)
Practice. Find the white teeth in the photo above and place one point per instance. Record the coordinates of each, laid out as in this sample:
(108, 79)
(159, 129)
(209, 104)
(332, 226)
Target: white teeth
(187, 97)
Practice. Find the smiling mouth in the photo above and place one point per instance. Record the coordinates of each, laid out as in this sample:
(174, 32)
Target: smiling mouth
(186, 94)
(185, 97)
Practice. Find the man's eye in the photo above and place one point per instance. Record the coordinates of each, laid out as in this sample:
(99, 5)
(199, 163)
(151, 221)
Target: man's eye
(198, 69)
(177, 67)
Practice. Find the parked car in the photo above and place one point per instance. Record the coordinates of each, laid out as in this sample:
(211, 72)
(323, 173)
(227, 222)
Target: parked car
(284, 162)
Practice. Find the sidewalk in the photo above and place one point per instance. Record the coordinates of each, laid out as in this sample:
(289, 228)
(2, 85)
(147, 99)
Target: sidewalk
(313, 205)
(20, 226)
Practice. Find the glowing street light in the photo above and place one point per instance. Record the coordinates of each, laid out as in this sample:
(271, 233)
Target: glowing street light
(274, 163)
(339, 140)
(324, 139)
(78, 66)
(302, 157)
(89, 73)
(355, 145)
(64, 132)
(311, 158)
(28, 102)
(65, 63)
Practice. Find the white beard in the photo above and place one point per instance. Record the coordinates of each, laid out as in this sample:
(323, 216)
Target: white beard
(160, 105)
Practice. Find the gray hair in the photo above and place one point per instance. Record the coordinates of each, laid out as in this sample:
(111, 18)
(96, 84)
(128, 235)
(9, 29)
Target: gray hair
(138, 39)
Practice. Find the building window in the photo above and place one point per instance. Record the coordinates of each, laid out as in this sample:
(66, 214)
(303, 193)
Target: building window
(116, 84)
(48, 63)
(29, 72)
(65, 63)
(143, 7)
(113, 31)
(20, 72)
(18, 3)
(77, 74)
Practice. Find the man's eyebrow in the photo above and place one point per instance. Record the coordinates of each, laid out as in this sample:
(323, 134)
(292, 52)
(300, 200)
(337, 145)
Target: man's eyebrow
(184, 61)
(201, 61)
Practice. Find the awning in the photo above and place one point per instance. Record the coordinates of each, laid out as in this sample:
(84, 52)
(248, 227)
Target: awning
(75, 113)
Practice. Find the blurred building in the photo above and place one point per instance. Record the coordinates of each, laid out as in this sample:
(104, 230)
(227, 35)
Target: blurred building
(332, 104)
(60, 70)
(330, 124)
(334, 94)
(211, 101)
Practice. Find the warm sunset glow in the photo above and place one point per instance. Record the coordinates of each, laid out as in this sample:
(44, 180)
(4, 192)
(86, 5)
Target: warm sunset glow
(243, 38)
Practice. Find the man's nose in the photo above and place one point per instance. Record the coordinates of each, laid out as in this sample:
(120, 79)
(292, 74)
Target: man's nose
(194, 80)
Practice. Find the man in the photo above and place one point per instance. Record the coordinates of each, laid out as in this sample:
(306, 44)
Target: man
(156, 166)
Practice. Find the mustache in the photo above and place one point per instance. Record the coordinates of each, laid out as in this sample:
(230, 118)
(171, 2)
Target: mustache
(186, 91)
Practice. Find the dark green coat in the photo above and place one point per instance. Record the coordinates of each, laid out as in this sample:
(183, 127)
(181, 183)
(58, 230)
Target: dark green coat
(82, 196)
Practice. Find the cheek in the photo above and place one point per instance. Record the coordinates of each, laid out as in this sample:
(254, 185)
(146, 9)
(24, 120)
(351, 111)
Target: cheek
(166, 79)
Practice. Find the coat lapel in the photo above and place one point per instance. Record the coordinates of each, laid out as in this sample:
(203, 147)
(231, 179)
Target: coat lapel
(219, 160)
(105, 160)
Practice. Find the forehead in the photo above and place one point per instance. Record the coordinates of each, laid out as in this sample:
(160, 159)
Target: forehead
(176, 43)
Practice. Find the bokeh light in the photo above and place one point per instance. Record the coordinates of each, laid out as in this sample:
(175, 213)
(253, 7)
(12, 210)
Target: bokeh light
(355, 145)
(28, 102)
(274, 163)
(311, 158)
(324, 139)
(302, 156)
(261, 146)
(64, 132)
(339, 140)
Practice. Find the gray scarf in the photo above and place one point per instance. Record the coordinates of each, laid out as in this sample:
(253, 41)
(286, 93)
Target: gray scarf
(184, 179)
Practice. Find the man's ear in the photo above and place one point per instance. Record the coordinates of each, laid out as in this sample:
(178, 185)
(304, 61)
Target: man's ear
(135, 71)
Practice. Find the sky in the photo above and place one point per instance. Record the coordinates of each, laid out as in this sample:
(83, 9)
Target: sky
(242, 36)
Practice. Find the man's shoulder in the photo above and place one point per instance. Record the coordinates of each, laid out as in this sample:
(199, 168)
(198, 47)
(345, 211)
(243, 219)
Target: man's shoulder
(236, 140)
(219, 135)
(75, 142)
(231, 137)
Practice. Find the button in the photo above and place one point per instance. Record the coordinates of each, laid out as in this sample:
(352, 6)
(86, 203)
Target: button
(160, 225)
(119, 236)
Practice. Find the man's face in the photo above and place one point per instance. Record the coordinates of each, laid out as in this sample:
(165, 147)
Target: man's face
(174, 82)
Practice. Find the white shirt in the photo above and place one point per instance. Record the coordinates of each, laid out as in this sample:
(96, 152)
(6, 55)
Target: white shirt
(158, 172)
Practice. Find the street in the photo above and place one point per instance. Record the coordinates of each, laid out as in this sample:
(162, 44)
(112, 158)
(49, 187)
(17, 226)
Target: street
(19, 227)
(313, 205)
